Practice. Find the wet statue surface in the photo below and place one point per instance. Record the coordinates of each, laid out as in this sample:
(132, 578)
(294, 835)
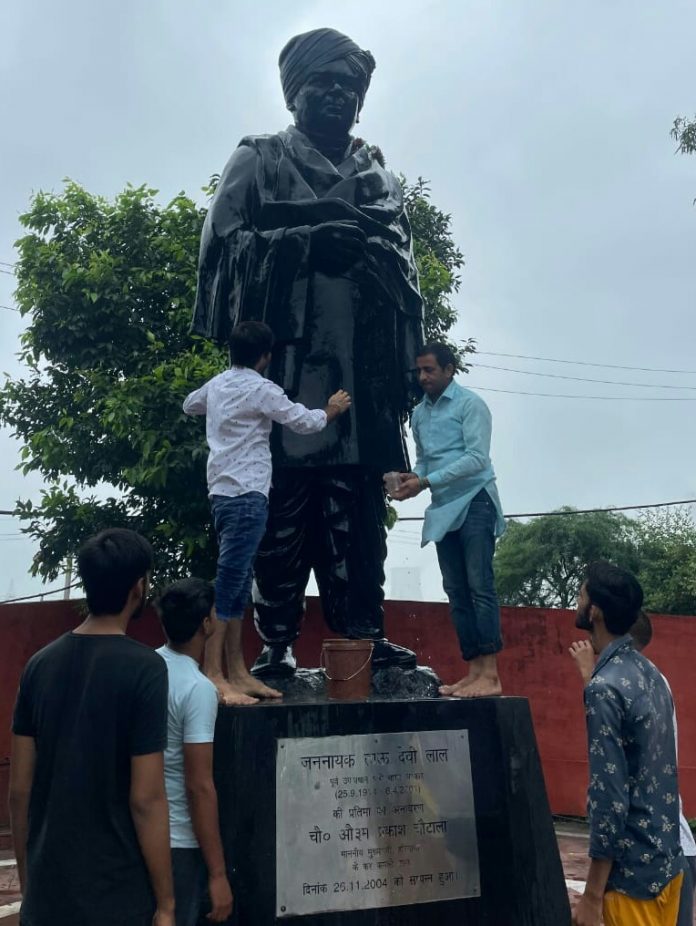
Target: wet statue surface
(307, 232)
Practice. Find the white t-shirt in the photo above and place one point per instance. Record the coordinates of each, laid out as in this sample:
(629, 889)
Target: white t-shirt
(193, 706)
(685, 835)
(240, 407)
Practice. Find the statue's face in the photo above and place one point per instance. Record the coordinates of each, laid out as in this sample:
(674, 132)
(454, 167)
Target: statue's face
(329, 101)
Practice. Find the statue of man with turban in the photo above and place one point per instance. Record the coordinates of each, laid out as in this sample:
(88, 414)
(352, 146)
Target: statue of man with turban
(307, 232)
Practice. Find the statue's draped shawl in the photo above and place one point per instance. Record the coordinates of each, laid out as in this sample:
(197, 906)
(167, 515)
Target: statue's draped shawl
(304, 54)
(358, 331)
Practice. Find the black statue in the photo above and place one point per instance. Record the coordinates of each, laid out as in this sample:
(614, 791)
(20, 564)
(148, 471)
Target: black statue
(307, 232)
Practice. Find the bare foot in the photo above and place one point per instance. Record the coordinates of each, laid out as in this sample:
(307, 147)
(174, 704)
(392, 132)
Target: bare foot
(462, 683)
(244, 681)
(230, 694)
(485, 686)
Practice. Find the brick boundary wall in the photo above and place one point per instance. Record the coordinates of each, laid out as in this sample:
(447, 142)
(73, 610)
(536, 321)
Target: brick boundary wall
(535, 665)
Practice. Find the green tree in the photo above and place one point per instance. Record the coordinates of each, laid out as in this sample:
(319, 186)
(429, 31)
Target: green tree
(684, 133)
(108, 288)
(667, 548)
(541, 563)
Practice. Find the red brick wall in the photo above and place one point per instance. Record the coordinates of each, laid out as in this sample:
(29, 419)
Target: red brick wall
(534, 665)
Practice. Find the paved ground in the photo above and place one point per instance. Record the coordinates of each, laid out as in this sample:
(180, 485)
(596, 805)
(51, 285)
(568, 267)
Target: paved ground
(9, 890)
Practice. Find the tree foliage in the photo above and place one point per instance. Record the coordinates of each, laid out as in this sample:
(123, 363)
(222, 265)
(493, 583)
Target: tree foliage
(684, 133)
(666, 540)
(542, 563)
(108, 289)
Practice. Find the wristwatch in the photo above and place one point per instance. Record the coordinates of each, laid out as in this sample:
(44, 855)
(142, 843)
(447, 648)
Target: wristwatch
(424, 482)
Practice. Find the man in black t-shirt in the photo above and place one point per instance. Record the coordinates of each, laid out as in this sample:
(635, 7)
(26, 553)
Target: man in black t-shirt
(87, 799)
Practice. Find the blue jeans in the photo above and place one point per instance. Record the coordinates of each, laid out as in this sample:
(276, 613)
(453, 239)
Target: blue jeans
(240, 522)
(190, 886)
(466, 563)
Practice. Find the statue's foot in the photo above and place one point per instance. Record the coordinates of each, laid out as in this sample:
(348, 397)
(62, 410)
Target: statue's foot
(277, 660)
(386, 655)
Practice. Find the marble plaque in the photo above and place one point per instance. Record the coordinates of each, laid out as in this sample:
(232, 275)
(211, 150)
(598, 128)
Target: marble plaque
(372, 821)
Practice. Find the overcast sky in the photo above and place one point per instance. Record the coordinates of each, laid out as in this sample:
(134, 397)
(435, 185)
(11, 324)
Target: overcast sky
(543, 127)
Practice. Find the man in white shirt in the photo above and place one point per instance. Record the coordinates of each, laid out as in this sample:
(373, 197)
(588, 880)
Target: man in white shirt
(240, 406)
(187, 612)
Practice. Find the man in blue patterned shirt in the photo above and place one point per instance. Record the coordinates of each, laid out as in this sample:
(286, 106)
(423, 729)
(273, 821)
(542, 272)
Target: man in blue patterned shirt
(633, 803)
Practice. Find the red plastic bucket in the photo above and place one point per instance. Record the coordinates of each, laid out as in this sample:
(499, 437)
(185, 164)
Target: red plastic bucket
(347, 665)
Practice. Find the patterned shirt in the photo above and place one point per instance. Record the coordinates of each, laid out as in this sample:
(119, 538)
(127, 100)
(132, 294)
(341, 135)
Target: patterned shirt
(240, 407)
(633, 800)
(453, 443)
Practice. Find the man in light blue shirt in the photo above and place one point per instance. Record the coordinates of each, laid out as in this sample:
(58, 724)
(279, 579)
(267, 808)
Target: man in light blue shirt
(452, 430)
(187, 612)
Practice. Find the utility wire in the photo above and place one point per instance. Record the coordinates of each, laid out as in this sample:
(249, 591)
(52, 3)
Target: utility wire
(6, 263)
(10, 273)
(582, 379)
(543, 514)
(10, 308)
(52, 591)
(582, 363)
(606, 398)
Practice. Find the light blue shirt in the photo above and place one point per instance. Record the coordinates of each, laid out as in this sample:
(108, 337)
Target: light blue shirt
(453, 443)
(193, 706)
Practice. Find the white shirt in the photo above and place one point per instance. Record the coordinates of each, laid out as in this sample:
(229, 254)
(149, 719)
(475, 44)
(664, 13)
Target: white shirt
(240, 407)
(686, 837)
(192, 711)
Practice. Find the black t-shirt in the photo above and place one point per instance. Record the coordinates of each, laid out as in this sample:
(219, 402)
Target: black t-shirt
(90, 703)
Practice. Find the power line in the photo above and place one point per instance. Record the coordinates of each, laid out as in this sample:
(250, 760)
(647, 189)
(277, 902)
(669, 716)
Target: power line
(52, 591)
(10, 273)
(605, 398)
(582, 379)
(543, 514)
(6, 263)
(10, 308)
(583, 363)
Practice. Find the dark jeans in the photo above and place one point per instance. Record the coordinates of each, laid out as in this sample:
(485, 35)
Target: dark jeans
(686, 898)
(330, 519)
(240, 521)
(190, 886)
(466, 564)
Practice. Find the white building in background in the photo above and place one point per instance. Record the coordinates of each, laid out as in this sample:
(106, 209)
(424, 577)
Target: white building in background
(405, 583)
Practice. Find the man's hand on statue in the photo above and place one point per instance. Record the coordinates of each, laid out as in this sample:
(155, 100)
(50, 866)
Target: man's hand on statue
(338, 403)
(410, 487)
(336, 246)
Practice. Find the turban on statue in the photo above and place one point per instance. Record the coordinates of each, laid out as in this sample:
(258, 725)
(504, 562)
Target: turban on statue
(304, 54)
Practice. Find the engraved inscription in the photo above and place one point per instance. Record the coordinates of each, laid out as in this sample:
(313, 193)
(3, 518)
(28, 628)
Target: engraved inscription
(374, 821)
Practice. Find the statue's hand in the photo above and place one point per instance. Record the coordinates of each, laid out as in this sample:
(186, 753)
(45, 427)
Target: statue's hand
(336, 246)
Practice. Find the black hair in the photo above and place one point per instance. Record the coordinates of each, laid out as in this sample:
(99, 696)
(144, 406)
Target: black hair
(443, 353)
(642, 631)
(183, 606)
(109, 564)
(617, 593)
(248, 342)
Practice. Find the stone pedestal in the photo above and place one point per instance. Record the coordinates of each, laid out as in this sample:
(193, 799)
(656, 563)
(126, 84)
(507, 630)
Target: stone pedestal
(480, 849)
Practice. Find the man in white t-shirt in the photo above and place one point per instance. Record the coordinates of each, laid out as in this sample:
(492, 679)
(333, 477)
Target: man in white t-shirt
(187, 612)
(584, 657)
(241, 406)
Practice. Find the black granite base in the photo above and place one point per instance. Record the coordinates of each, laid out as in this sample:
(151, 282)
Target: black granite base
(387, 684)
(521, 877)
